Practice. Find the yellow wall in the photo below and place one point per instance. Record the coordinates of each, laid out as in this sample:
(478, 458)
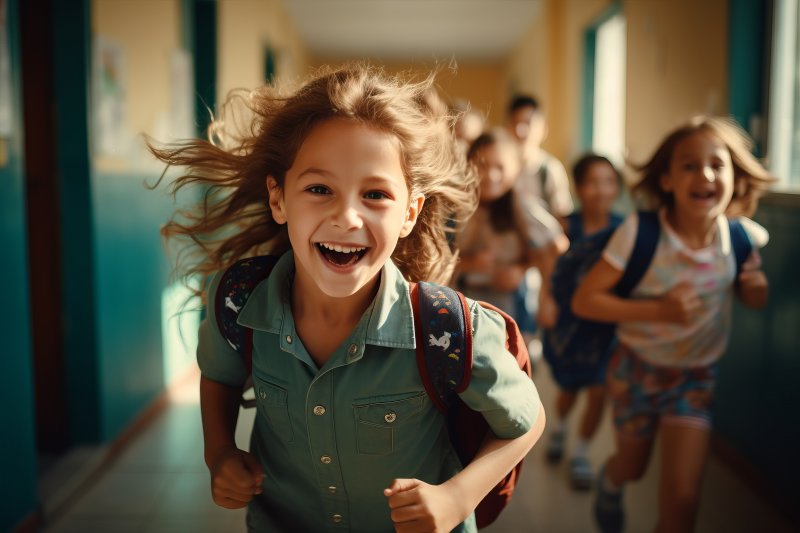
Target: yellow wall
(246, 28)
(677, 66)
(480, 84)
(548, 63)
(147, 32)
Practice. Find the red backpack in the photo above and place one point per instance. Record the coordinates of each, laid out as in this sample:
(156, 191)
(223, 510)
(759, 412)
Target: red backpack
(444, 357)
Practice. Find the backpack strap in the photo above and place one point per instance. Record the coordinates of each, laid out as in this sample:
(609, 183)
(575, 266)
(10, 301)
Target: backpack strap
(233, 291)
(574, 226)
(741, 244)
(644, 249)
(444, 341)
(542, 173)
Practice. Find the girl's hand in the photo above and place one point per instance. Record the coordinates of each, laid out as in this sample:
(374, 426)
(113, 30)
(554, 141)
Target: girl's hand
(236, 477)
(483, 260)
(506, 278)
(680, 303)
(419, 507)
(753, 285)
(752, 280)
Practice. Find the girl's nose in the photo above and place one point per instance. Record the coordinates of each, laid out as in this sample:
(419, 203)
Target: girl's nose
(709, 174)
(347, 216)
(495, 175)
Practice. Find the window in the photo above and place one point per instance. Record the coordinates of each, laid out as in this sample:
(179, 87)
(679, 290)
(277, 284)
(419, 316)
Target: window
(783, 150)
(608, 120)
(603, 114)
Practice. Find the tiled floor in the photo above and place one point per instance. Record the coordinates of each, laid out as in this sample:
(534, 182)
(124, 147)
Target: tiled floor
(159, 483)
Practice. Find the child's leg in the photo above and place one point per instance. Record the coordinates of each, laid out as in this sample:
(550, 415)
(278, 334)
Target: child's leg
(555, 444)
(635, 417)
(564, 402)
(595, 400)
(684, 454)
(581, 471)
(686, 430)
(630, 459)
(628, 463)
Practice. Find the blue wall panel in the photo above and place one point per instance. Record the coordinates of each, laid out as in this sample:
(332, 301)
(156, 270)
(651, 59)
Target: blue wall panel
(17, 418)
(131, 275)
(757, 395)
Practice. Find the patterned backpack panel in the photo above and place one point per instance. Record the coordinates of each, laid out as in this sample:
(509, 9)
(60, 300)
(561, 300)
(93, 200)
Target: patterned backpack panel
(445, 344)
(234, 289)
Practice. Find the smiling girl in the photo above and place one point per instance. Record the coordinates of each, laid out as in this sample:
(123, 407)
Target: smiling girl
(674, 328)
(351, 180)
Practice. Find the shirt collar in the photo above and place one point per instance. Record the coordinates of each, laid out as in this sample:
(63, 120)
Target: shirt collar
(721, 242)
(387, 322)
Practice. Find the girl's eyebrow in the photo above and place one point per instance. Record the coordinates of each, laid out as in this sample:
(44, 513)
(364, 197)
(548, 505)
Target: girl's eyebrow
(314, 170)
(372, 178)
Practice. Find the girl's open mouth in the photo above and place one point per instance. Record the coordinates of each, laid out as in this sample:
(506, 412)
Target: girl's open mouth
(341, 256)
(703, 195)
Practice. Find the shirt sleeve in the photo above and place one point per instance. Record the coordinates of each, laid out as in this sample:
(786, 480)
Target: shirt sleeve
(758, 234)
(498, 389)
(620, 245)
(559, 195)
(542, 227)
(218, 360)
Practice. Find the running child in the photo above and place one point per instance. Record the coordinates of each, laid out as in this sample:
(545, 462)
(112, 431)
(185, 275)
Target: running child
(506, 235)
(350, 179)
(597, 185)
(674, 328)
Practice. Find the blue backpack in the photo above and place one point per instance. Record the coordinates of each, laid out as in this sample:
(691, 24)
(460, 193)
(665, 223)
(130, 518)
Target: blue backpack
(578, 349)
(444, 358)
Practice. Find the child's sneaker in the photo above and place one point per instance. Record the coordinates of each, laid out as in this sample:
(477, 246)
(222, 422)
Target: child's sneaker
(555, 446)
(580, 473)
(608, 507)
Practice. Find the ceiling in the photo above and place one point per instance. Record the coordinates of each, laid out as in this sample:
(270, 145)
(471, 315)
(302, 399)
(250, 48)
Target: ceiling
(476, 30)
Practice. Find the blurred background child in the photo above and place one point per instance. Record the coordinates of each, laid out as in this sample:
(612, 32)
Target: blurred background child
(597, 185)
(674, 328)
(505, 236)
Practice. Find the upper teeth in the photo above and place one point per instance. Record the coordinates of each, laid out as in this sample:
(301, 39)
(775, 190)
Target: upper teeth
(340, 248)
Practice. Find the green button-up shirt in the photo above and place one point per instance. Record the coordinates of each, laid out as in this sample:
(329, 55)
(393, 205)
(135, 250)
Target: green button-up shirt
(331, 439)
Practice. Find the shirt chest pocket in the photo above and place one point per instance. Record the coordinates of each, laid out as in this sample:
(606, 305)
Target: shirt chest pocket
(383, 421)
(273, 403)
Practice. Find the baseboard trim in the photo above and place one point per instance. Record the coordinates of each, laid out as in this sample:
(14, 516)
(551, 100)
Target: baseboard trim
(755, 478)
(30, 524)
(102, 457)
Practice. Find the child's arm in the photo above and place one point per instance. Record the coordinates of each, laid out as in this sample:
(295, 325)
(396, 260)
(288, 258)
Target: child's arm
(507, 278)
(548, 310)
(481, 261)
(753, 287)
(235, 474)
(419, 506)
(595, 300)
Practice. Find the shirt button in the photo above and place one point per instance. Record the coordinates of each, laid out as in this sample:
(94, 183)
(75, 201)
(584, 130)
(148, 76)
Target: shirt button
(336, 518)
(326, 459)
(390, 417)
(353, 349)
(332, 489)
(319, 410)
(289, 339)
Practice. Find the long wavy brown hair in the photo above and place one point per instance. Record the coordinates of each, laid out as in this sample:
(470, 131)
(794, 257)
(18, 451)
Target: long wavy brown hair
(258, 134)
(750, 178)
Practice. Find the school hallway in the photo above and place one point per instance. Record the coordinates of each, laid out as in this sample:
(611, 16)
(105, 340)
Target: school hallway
(158, 483)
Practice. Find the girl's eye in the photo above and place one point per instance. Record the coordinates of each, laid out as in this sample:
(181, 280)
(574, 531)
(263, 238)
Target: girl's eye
(689, 166)
(318, 189)
(376, 195)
